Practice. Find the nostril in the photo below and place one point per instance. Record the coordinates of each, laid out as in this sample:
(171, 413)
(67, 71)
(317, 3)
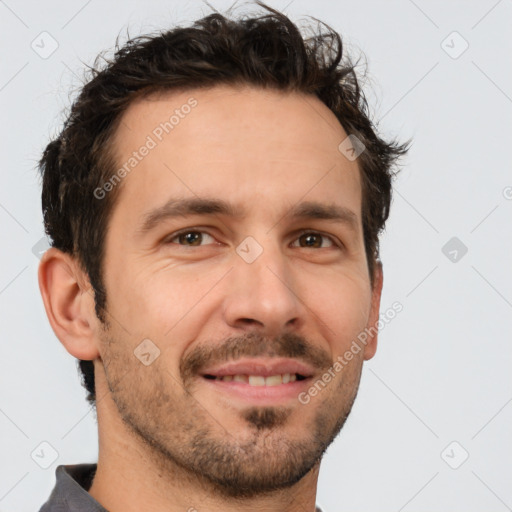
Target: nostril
(248, 321)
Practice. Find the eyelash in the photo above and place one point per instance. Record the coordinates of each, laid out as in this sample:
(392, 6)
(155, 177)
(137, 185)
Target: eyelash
(301, 233)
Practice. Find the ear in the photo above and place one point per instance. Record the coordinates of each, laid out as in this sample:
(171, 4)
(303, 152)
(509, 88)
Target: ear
(69, 303)
(373, 319)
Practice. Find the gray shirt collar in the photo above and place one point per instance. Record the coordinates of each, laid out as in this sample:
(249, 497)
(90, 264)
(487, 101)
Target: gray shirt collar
(70, 491)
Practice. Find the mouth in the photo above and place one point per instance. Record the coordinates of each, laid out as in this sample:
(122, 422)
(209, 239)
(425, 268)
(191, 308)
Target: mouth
(260, 381)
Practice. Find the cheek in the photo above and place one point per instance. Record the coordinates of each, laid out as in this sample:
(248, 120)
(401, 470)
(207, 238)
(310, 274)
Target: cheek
(340, 308)
(171, 306)
(154, 297)
(174, 296)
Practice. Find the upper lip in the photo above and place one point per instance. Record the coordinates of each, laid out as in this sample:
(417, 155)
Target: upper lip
(264, 367)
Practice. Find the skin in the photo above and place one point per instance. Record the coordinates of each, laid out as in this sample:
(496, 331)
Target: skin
(167, 440)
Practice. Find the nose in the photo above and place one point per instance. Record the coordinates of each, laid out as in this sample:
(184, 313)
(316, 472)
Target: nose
(261, 295)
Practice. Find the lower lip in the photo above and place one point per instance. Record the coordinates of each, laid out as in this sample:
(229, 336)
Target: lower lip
(260, 394)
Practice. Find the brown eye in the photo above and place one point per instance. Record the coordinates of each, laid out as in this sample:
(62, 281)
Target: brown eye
(190, 238)
(314, 240)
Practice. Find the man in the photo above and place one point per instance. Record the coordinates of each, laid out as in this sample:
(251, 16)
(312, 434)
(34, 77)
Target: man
(214, 203)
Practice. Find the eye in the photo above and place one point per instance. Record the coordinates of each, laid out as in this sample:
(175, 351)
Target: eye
(314, 240)
(197, 238)
(190, 238)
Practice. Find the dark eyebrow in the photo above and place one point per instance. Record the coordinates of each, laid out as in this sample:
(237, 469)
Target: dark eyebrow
(316, 210)
(206, 206)
(184, 207)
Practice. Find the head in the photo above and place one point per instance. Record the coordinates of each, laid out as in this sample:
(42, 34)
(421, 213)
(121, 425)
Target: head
(244, 124)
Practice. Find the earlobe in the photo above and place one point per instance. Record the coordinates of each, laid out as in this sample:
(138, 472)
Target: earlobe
(68, 303)
(373, 320)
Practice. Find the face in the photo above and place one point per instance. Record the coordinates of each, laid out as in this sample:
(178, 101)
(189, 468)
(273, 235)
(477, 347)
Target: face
(236, 275)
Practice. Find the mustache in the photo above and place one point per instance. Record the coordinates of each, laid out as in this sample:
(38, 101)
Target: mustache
(252, 344)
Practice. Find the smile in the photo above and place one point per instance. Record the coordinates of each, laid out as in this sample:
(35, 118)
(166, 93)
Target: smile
(259, 380)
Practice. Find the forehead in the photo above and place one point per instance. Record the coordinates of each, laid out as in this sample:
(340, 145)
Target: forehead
(243, 144)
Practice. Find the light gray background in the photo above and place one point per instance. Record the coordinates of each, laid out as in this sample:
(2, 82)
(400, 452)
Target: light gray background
(442, 370)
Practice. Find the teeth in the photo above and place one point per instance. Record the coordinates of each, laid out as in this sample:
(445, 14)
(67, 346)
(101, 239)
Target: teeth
(259, 380)
(273, 380)
(256, 380)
